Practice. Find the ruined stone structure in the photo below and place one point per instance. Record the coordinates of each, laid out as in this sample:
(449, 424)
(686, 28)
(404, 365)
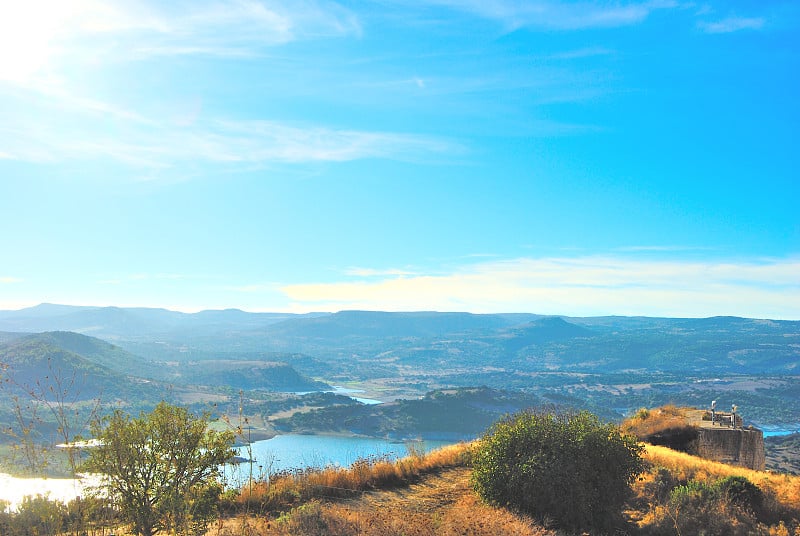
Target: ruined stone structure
(724, 440)
(735, 446)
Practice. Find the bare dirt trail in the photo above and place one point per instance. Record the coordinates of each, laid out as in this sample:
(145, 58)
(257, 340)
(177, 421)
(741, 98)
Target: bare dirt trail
(441, 504)
(434, 493)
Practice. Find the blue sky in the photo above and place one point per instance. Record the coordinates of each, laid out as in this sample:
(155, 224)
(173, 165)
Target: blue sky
(571, 158)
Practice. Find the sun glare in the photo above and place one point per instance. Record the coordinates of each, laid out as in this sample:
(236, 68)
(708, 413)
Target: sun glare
(28, 35)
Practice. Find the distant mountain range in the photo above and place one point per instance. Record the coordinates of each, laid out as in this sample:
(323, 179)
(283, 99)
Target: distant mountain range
(610, 363)
(122, 322)
(528, 342)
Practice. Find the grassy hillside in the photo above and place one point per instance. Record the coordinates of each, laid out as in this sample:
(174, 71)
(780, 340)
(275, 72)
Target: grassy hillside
(110, 369)
(52, 360)
(53, 384)
(240, 374)
(432, 495)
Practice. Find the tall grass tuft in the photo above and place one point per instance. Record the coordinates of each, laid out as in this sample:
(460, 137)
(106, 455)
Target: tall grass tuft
(288, 489)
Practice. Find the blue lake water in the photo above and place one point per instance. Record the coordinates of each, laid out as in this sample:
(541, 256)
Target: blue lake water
(293, 451)
(770, 431)
(347, 392)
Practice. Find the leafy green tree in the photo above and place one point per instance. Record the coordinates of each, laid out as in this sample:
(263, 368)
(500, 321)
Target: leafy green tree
(158, 465)
(568, 469)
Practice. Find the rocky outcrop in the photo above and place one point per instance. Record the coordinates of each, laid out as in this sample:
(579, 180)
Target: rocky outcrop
(692, 430)
(735, 446)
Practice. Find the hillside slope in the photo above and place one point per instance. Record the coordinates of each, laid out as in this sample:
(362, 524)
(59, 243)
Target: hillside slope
(431, 495)
(85, 366)
(441, 504)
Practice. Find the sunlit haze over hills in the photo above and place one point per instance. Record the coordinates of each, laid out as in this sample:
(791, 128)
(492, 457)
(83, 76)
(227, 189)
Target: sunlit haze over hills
(565, 158)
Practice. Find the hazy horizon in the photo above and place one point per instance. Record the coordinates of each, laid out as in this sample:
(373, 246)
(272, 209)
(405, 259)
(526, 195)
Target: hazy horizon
(423, 311)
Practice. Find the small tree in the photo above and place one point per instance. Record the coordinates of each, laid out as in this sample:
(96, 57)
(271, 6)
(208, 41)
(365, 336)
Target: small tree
(158, 465)
(570, 469)
(51, 401)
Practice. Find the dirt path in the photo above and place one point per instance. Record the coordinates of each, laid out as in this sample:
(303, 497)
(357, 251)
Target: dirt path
(435, 493)
(440, 504)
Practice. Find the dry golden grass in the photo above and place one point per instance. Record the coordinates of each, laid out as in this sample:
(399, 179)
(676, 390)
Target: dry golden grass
(420, 495)
(440, 505)
(656, 509)
(290, 489)
(647, 422)
(426, 495)
(786, 488)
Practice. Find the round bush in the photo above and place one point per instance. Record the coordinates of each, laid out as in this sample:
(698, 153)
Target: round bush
(571, 470)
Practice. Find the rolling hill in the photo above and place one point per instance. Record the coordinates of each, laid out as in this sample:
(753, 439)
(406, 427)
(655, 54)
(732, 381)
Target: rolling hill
(58, 361)
(609, 364)
(528, 342)
(132, 322)
(92, 368)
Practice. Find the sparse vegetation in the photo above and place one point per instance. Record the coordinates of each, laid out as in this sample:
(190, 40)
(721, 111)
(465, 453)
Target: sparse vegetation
(160, 468)
(432, 495)
(41, 516)
(422, 495)
(684, 494)
(291, 488)
(646, 422)
(668, 425)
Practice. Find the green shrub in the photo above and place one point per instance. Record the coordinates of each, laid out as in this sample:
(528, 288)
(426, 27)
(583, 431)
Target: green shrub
(732, 505)
(570, 469)
(741, 492)
(663, 484)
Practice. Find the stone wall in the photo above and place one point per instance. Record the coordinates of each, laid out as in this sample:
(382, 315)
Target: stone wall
(743, 447)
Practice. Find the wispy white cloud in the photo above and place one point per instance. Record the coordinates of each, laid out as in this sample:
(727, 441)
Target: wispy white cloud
(9, 280)
(37, 35)
(273, 141)
(547, 84)
(242, 27)
(578, 286)
(559, 15)
(732, 24)
(206, 26)
(71, 133)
